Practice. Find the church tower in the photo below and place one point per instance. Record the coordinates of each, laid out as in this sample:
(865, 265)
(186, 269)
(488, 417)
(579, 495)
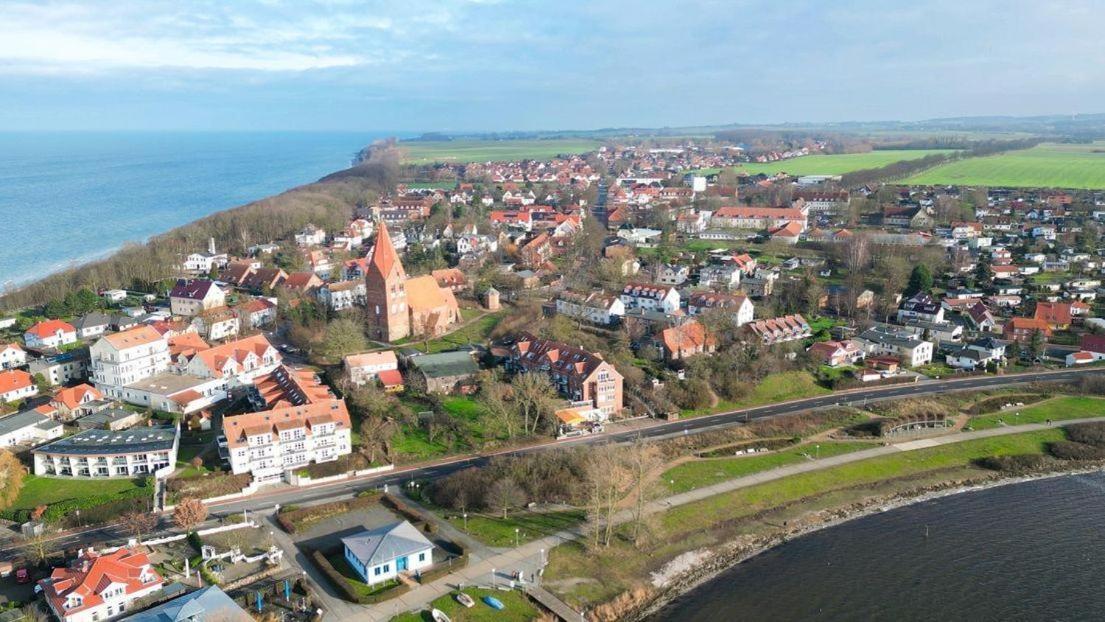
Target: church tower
(386, 291)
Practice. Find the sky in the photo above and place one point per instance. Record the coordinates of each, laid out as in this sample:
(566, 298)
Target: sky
(503, 65)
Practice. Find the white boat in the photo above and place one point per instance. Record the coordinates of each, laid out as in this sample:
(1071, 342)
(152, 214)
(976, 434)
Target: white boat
(466, 600)
(439, 616)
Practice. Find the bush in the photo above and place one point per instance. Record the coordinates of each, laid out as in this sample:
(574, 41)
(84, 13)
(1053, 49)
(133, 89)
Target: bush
(207, 486)
(1070, 450)
(349, 462)
(1092, 433)
(347, 590)
(1018, 463)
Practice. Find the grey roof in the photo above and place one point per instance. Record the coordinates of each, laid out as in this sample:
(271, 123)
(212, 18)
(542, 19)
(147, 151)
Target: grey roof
(209, 603)
(21, 420)
(386, 543)
(103, 417)
(108, 443)
(446, 364)
(92, 319)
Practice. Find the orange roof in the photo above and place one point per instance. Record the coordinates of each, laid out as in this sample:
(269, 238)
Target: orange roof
(238, 427)
(286, 386)
(47, 328)
(390, 378)
(215, 358)
(186, 344)
(14, 380)
(423, 293)
(792, 229)
(686, 337)
(385, 357)
(137, 336)
(75, 396)
(1054, 313)
(93, 572)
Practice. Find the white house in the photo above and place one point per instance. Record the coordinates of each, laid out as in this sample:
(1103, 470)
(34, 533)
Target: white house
(50, 334)
(383, 553)
(595, 307)
(265, 444)
(650, 297)
(28, 428)
(127, 357)
(737, 304)
(310, 236)
(367, 367)
(16, 384)
(97, 454)
(672, 274)
(884, 339)
(12, 355)
(100, 586)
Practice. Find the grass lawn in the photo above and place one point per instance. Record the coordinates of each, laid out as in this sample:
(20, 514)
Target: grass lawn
(708, 471)
(476, 332)
(1045, 165)
(760, 509)
(337, 560)
(494, 530)
(46, 490)
(518, 608)
(837, 164)
(1057, 409)
(779, 387)
(425, 152)
(936, 370)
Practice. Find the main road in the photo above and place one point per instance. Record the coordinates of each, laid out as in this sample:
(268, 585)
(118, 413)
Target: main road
(266, 500)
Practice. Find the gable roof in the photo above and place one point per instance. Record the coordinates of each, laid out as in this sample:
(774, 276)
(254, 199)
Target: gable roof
(48, 328)
(386, 543)
(75, 396)
(191, 289)
(92, 573)
(137, 336)
(14, 380)
(237, 427)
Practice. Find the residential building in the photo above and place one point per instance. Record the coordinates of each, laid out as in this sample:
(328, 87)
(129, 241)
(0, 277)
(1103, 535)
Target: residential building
(757, 217)
(736, 304)
(12, 355)
(896, 341)
(92, 325)
(217, 323)
(124, 358)
(15, 385)
(237, 362)
(135, 452)
(595, 307)
(73, 402)
(686, 340)
(720, 275)
(1022, 329)
(50, 334)
(837, 353)
(381, 554)
(672, 274)
(190, 297)
(577, 374)
(650, 297)
(780, 329)
(266, 444)
(371, 366)
(921, 306)
(98, 586)
(208, 604)
(61, 368)
(29, 427)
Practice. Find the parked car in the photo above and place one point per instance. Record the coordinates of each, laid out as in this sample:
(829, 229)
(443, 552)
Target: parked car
(22, 576)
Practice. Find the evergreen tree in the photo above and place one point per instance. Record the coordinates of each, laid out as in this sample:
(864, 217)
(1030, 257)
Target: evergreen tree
(920, 280)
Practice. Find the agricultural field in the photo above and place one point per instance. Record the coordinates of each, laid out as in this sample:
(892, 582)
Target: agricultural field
(837, 164)
(419, 152)
(1047, 165)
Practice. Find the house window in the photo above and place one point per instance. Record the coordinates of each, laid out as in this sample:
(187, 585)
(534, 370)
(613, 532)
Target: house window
(421, 557)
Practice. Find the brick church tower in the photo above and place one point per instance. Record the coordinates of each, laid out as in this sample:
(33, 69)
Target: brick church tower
(386, 291)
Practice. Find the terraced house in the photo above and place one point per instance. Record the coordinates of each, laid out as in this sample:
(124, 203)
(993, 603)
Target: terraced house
(579, 375)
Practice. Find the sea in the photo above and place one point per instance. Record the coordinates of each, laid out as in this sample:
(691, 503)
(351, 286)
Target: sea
(1027, 551)
(69, 197)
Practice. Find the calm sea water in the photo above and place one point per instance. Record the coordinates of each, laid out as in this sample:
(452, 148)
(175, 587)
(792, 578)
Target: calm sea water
(1030, 551)
(69, 197)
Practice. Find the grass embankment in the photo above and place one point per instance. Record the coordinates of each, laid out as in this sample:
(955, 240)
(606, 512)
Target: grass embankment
(414, 443)
(778, 387)
(1048, 165)
(426, 152)
(494, 530)
(517, 608)
(1056, 409)
(585, 577)
(477, 331)
(46, 490)
(707, 471)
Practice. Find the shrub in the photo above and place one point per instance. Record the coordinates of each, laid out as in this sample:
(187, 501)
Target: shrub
(347, 590)
(349, 462)
(207, 486)
(1070, 450)
(1017, 463)
(294, 519)
(1092, 433)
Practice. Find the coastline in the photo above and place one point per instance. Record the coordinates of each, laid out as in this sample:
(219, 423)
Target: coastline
(711, 564)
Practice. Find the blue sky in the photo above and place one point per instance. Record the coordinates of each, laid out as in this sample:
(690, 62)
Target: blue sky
(473, 65)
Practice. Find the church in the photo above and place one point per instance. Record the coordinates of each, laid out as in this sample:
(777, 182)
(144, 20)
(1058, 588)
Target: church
(398, 306)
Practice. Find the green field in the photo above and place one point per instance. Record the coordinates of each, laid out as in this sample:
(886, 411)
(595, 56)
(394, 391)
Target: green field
(45, 490)
(774, 388)
(1047, 165)
(518, 608)
(494, 530)
(1058, 409)
(837, 164)
(419, 152)
(706, 472)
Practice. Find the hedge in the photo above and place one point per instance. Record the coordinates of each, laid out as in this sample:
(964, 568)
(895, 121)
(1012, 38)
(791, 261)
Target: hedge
(293, 519)
(346, 591)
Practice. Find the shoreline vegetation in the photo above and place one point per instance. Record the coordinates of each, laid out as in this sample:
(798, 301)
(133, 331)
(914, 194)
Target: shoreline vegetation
(684, 548)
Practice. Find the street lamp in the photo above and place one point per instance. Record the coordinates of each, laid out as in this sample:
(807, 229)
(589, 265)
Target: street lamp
(492, 578)
(78, 519)
(542, 557)
(817, 449)
(466, 522)
(515, 537)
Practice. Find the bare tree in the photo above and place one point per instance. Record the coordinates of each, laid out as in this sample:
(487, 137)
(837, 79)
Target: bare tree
(606, 479)
(189, 513)
(533, 398)
(505, 494)
(38, 547)
(641, 460)
(139, 524)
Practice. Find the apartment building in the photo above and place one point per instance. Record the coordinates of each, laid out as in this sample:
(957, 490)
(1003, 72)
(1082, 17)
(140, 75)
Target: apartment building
(266, 444)
(128, 357)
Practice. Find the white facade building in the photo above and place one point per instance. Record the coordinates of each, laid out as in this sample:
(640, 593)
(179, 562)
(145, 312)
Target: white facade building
(127, 357)
(268, 443)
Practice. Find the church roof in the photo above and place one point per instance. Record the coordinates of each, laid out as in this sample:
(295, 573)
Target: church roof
(384, 257)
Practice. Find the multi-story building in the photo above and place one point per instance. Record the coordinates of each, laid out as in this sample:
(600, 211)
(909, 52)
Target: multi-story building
(106, 453)
(897, 341)
(50, 334)
(266, 444)
(736, 304)
(191, 296)
(128, 357)
(595, 307)
(577, 374)
(650, 297)
(100, 587)
(12, 355)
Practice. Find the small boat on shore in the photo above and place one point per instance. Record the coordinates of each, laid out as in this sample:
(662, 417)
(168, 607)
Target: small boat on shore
(494, 603)
(439, 616)
(465, 600)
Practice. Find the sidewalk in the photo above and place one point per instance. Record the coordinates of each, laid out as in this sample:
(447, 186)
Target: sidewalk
(480, 572)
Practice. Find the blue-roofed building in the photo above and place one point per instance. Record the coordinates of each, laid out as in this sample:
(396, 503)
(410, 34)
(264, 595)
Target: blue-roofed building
(209, 604)
(382, 553)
